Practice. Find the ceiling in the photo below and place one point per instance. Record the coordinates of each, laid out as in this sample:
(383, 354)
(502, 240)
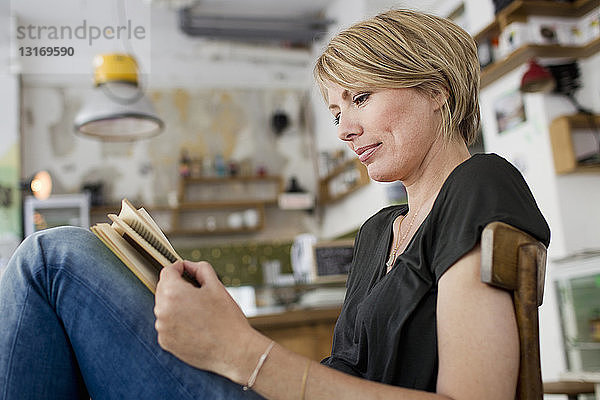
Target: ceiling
(267, 21)
(277, 21)
(250, 8)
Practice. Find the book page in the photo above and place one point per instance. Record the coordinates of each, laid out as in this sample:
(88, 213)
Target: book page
(144, 214)
(124, 229)
(143, 224)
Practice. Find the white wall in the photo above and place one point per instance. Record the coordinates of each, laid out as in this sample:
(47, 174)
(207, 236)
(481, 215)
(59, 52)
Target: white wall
(9, 129)
(173, 58)
(203, 70)
(528, 147)
(344, 215)
(569, 202)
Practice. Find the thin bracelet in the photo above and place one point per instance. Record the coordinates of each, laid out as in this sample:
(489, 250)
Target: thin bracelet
(260, 363)
(304, 378)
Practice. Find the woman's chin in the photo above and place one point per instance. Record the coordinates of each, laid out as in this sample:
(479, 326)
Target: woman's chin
(380, 176)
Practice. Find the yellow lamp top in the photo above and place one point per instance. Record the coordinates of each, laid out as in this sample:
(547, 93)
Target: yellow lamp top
(115, 67)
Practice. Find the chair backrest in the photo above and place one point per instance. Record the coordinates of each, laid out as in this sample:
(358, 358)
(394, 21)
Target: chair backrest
(515, 261)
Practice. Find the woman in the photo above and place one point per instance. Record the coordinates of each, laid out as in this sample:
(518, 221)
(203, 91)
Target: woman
(417, 322)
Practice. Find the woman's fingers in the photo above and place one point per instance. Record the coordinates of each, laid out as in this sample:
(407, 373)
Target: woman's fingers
(202, 271)
(198, 324)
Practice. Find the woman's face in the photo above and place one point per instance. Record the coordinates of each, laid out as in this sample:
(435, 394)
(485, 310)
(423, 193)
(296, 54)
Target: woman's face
(392, 131)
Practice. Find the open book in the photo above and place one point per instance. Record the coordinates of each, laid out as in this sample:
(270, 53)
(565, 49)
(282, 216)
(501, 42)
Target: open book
(137, 240)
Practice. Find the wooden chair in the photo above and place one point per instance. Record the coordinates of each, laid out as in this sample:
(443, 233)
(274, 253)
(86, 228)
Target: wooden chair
(515, 261)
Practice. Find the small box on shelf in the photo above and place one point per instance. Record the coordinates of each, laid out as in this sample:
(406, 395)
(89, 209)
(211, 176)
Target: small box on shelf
(574, 147)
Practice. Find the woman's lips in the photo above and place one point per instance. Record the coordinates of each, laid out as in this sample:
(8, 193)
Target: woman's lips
(364, 153)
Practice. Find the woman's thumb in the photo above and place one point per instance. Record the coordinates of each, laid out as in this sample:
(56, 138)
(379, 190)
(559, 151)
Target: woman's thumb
(201, 271)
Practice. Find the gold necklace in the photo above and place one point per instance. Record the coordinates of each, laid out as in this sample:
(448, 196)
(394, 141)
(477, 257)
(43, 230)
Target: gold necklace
(392, 259)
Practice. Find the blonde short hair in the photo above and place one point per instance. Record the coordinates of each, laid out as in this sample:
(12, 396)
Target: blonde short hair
(409, 49)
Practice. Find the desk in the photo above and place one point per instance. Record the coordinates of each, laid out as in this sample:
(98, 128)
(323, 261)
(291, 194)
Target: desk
(581, 377)
(308, 332)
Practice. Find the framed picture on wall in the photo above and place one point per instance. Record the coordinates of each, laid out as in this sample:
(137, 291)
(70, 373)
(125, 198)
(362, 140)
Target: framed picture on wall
(509, 111)
(332, 260)
(58, 210)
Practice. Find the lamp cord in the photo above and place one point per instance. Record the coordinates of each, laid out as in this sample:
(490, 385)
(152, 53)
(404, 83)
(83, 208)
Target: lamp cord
(122, 100)
(122, 17)
(123, 22)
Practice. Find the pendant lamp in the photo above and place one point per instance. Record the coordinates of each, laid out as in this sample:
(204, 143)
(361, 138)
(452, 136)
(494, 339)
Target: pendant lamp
(537, 79)
(117, 109)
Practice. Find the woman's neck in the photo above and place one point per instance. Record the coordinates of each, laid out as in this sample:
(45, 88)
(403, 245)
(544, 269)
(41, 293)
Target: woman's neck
(434, 171)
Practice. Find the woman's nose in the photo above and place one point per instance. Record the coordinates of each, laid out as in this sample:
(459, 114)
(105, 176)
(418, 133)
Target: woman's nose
(348, 128)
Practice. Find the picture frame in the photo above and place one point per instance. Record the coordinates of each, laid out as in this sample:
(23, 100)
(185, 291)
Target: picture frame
(332, 260)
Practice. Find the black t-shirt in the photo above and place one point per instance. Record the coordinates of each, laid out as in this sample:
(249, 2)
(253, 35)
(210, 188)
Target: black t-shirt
(386, 331)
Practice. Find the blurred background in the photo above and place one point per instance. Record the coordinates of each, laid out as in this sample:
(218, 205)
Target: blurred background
(205, 113)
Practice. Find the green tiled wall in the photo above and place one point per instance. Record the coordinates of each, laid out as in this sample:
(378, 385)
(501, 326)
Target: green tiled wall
(240, 264)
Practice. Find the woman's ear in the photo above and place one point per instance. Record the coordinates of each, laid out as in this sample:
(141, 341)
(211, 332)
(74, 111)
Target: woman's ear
(439, 99)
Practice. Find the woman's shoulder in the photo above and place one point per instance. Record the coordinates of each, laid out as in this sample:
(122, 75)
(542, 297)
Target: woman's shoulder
(488, 188)
(483, 175)
(387, 212)
(382, 218)
(483, 166)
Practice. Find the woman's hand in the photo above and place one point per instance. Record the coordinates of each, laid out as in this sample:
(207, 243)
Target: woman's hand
(203, 326)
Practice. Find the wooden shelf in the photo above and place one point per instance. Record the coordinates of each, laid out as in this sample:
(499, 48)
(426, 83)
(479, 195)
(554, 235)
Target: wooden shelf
(496, 70)
(222, 204)
(241, 183)
(351, 189)
(188, 212)
(518, 10)
(338, 170)
(570, 388)
(218, 231)
(563, 151)
(289, 318)
(192, 210)
(230, 179)
(325, 192)
(114, 209)
(308, 332)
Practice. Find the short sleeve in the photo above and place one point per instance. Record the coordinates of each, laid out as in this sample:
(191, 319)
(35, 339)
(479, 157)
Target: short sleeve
(483, 189)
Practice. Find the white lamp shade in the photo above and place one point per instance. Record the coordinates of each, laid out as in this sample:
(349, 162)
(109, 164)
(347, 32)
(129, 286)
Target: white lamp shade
(118, 111)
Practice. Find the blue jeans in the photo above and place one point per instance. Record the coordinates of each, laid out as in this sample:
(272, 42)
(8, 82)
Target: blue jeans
(76, 323)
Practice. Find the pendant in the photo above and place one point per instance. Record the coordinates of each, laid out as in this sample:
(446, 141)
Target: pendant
(390, 261)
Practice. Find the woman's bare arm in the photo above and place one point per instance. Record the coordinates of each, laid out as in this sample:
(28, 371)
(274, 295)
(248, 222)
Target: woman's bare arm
(205, 328)
(478, 341)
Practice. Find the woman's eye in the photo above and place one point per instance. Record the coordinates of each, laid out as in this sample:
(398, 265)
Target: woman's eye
(360, 98)
(336, 120)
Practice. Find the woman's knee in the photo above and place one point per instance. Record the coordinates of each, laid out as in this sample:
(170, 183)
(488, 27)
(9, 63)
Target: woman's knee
(62, 234)
(55, 246)
(62, 256)
(60, 239)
